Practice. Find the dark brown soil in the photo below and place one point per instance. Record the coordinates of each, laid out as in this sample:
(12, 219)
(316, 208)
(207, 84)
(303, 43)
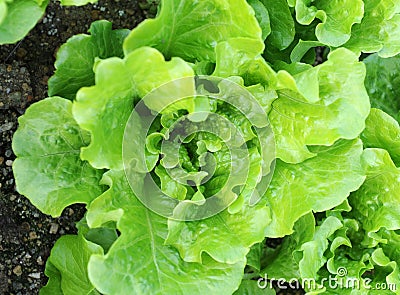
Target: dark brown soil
(26, 235)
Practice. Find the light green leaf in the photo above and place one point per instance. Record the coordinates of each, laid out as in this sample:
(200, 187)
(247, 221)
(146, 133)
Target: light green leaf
(250, 287)
(242, 57)
(382, 131)
(174, 33)
(319, 106)
(70, 257)
(338, 166)
(53, 286)
(76, 2)
(379, 29)
(377, 202)
(240, 230)
(337, 18)
(282, 24)
(383, 83)
(75, 59)
(156, 268)
(48, 169)
(262, 17)
(19, 18)
(104, 109)
(281, 262)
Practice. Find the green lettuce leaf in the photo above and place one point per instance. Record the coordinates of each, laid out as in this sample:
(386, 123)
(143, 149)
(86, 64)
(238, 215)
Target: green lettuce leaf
(156, 268)
(48, 169)
(262, 17)
(382, 131)
(119, 82)
(76, 2)
(377, 202)
(383, 83)
(378, 30)
(75, 59)
(250, 287)
(240, 230)
(337, 18)
(18, 18)
(67, 266)
(174, 33)
(319, 106)
(338, 166)
(282, 24)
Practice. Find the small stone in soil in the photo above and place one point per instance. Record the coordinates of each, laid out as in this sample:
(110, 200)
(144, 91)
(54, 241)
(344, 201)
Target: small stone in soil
(34, 275)
(17, 270)
(53, 228)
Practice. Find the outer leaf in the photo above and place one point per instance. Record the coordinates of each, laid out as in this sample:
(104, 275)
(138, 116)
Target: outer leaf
(379, 29)
(53, 286)
(21, 17)
(156, 267)
(75, 59)
(174, 33)
(70, 256)
(118, 82)
(383, 83)
(337, 18)
(48, 169)
(382, 131)
(291, 187)
(319, 106)
(377, 202)
(282, 24)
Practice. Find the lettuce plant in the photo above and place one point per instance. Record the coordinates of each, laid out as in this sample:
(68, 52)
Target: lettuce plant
(18, 17)
(204, 133)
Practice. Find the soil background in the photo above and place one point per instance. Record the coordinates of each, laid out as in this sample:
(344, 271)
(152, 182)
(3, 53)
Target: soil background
(26, 235)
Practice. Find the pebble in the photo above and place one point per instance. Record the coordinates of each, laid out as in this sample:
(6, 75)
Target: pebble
(13, 198)
(17, 270)
(8, 153)
(1, 160)
(34, 275)
(32, 235)
(6, 126)
(53, 228)
(9, 163)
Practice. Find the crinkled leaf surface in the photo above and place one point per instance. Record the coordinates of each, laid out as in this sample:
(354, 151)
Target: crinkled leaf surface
(383, 83)
(240, 230)
(104, 109)
(139, 261)
(379, 29)
(382, 131)
(337, 18)
(70, 256)
(282, 24)
(320, 106)
(21, 16)
(174, 33)
(75, 59)
(48, 169)
(378, 199)
(307, 186)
